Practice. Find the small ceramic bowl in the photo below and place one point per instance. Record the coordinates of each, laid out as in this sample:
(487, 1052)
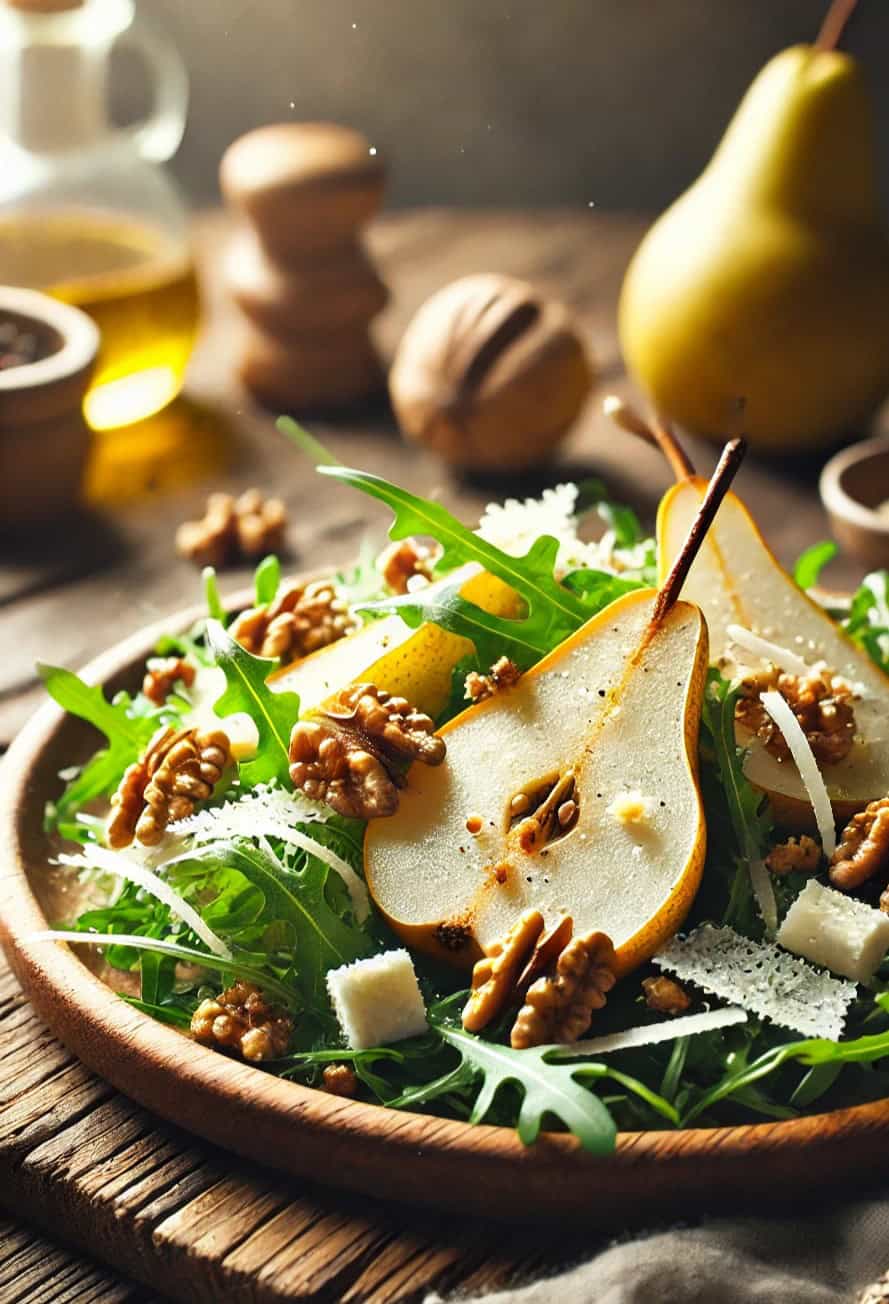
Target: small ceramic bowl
(854, 487)
(47, 354)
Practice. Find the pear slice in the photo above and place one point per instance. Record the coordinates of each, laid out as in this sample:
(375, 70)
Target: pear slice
(575, 792)
(414, 663)
(736, 580)
(617, 707)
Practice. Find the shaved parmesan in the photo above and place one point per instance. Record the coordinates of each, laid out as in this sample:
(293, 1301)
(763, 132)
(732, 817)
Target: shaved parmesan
(686, 1026)
(138, 941)
(764, 891)
(112, 862)
(272, 813)
(762, 978)
(807, 766)
(781, 657)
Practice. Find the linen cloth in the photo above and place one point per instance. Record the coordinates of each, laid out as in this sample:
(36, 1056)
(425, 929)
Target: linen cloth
(826, 1258)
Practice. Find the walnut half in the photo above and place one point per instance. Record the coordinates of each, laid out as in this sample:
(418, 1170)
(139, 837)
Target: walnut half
(560, 1006)
(350, 756)
(177, 770)
(863, 849)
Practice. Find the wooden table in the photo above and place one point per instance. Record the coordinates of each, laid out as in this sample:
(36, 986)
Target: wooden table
(76, 1158)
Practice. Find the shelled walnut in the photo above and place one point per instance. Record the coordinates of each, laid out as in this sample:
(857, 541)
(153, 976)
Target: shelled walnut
(177, 770)
(404, 560)
(863, 849)
(340, 1080)
(665, 995)
(302, 619)
(502, 675)
(161, 673)
(558, 981)
(240, 1020)
(247, 527)
(559, 1006)
(795, 856)
(349, 756)
(821, 702)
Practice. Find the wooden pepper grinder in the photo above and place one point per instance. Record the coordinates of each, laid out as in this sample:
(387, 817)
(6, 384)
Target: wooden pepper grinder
(297, 268)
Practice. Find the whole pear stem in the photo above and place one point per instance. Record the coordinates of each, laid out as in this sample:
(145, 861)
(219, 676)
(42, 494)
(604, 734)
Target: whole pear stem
(668, 594)
(658, 434)
(835, 20)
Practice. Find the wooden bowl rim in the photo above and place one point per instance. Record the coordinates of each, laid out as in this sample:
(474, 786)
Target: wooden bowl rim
(347, 1143)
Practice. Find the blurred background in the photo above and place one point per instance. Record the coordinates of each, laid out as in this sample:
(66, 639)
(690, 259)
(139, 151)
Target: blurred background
(496, 102)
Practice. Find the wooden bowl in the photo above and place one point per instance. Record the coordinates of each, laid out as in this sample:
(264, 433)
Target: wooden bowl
(853, 484)
(44, 439)
(412, 1157)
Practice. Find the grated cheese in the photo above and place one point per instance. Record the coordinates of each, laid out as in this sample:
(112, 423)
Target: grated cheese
(686, 1026)
(762, 978)
(271, 813)
(782, 657)
(515, 525)
(112, 862)
(807, 766)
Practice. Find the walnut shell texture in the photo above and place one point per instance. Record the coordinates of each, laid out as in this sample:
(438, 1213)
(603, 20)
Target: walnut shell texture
(490, 374)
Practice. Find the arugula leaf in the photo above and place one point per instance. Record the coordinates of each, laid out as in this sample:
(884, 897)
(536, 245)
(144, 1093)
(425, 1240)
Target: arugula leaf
(531, 576)
(273, 713)
(266, 580)
(211, 595)
(748, 813)
(600, 588)
(126, 732)
(546, 1087)
(306, 443)
(296, 897)
(867, 623)
(811, 563)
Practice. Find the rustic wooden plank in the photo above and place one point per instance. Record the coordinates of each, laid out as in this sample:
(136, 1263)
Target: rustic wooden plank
(34, 1272)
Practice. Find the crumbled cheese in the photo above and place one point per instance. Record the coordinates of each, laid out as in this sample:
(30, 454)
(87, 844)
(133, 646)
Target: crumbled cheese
(762, 978)
(652, 1033)
(377, 1000)
(113, 862)
(782, 657)
(630, 807)
(514, 526)
(836, 931)
(804, 760)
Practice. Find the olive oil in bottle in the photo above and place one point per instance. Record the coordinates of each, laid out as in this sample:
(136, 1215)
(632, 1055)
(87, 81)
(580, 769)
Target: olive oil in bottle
(138, 285)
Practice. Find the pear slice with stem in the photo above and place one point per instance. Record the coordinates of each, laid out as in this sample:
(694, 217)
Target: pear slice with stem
(575, 792)
(413, 663)
(737, 581)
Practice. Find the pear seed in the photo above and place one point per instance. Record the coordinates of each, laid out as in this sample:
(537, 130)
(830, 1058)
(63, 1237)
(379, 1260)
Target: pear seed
(519, 804)
(566, 813)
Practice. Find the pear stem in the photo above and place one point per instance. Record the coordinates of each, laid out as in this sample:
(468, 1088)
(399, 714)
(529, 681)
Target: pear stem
(668, 594)
(835, 20)
(659, 434)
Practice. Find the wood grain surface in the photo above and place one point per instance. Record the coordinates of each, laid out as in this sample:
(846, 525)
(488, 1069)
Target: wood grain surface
(78, 1158)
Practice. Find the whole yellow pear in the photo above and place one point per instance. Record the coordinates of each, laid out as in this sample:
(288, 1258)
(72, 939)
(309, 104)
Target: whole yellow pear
(768, 280)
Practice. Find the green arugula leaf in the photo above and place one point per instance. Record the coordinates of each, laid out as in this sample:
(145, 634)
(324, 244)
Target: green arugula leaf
(293, 896)
(266, 580)
(273, 713)
(211, 595)
(546, 1087)
(867, 623)
(126, 733)
(306, 443)
(811, 563)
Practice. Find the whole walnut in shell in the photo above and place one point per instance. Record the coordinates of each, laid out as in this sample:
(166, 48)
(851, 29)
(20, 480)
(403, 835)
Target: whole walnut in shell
(490, 374)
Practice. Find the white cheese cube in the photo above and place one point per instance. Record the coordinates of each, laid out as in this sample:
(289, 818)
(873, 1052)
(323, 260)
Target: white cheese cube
(832, 929)
(377, 1000)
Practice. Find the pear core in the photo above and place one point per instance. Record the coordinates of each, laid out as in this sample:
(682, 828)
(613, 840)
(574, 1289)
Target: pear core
(618, 704)
(736, 580)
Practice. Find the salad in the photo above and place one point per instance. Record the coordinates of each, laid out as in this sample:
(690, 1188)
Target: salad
(484, 827)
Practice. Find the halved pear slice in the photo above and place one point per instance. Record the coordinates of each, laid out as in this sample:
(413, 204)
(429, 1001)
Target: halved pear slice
(615, 708)
(413, 663)
(736, 580)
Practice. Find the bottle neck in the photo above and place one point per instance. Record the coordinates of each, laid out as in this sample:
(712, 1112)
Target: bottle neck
(53, 75)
